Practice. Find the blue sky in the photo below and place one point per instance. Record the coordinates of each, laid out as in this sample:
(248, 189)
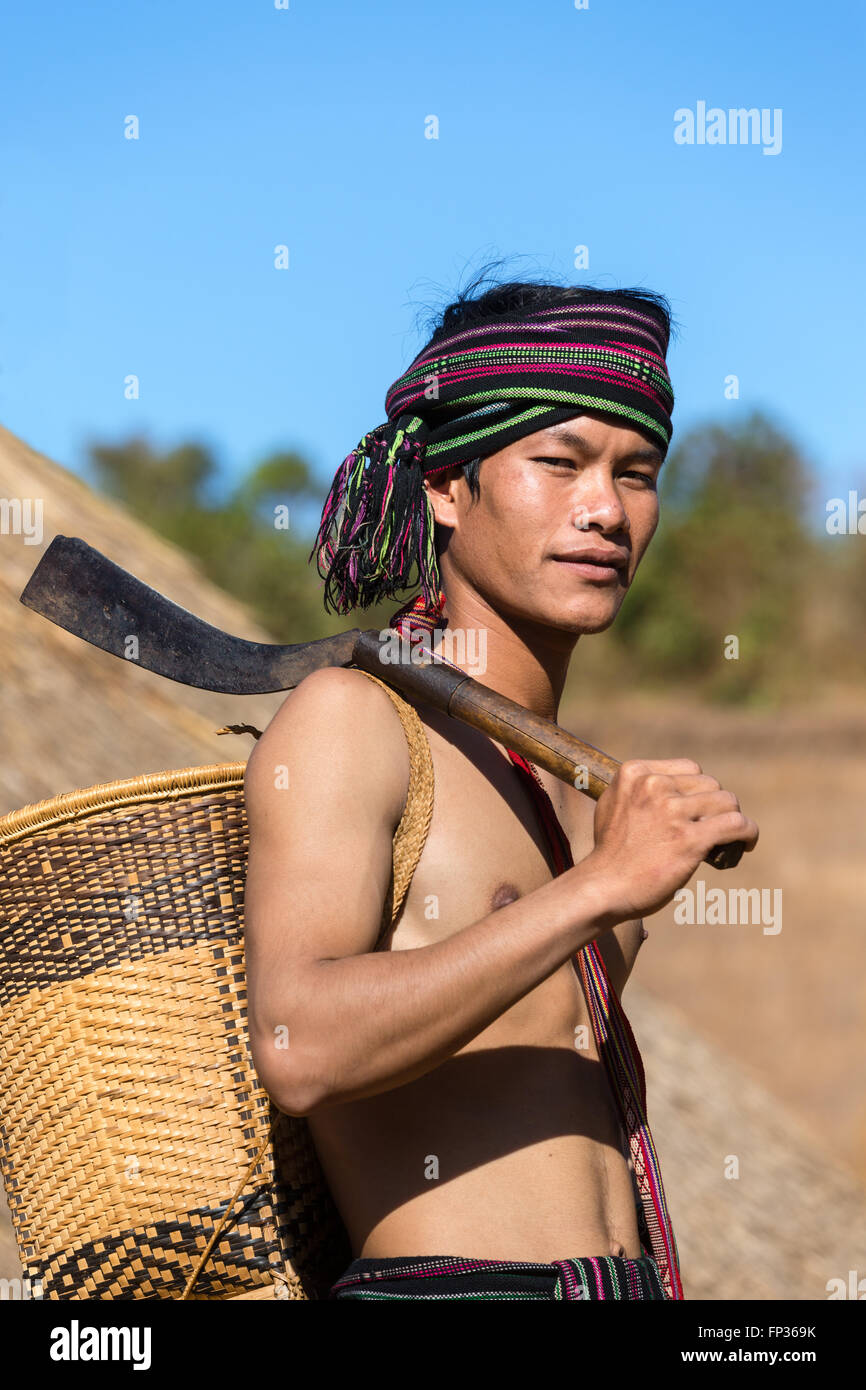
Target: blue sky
(306, 127)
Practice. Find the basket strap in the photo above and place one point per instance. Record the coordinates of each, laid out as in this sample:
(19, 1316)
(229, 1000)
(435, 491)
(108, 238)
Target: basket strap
(411, 833)
(205, 1254)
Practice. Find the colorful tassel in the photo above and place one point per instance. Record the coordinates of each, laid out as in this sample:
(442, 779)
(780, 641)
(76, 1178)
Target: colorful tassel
(377, 521)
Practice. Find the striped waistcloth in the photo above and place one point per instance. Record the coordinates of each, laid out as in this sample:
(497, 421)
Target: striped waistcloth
(452, 1277)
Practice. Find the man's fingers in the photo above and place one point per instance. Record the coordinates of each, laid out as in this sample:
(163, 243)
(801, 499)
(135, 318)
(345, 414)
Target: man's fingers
(687, 783)
(692, 793)
(698, 805)
(729, 826)
(723, 809)
(671, 767)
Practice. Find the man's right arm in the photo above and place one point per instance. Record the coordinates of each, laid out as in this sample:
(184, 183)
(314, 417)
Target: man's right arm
(359, 1022)
(325, 787)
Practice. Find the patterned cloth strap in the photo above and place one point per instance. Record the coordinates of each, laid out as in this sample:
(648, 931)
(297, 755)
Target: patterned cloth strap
(619, 1051)
(614, 1038)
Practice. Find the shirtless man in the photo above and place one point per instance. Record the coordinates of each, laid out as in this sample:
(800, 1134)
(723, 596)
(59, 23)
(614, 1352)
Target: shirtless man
(453, 1113)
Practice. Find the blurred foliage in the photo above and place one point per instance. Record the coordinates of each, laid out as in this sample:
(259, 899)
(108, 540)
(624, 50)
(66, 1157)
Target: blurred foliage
(741, 552)
(252, 541)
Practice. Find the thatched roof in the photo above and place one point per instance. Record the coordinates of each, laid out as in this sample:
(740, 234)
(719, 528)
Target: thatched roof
(73, 716)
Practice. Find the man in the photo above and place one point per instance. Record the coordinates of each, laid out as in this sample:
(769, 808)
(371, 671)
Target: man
(473, 1089)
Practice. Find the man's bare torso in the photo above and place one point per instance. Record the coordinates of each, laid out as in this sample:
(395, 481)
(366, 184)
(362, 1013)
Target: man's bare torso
(511, 1149)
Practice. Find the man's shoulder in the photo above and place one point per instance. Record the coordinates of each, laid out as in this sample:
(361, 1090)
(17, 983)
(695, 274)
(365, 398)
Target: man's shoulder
(337, 717)
(341, 693)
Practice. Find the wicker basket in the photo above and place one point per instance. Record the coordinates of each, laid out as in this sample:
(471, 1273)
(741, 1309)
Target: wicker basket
(130, 1112)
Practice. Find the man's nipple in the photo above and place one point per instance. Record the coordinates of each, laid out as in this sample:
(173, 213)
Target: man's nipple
(503, 895)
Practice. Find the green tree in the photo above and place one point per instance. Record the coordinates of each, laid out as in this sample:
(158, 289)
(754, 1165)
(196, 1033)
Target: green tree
(731, 560)
(248, 541)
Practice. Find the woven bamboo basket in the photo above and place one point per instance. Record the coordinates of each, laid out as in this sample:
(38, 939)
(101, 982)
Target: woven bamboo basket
(133, 1126)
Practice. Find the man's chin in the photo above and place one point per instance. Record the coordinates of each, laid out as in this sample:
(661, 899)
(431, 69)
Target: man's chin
(578, 620)
(576, 614)
(585, 625)
(584, 616)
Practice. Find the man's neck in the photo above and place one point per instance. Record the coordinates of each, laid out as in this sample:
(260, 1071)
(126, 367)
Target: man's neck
(524, 662)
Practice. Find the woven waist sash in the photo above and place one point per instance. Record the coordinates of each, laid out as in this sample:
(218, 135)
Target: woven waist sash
(451, 1277)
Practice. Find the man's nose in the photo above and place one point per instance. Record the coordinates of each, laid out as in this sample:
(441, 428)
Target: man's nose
(599, 505)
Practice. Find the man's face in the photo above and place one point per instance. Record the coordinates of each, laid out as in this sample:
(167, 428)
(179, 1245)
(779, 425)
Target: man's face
(584, 485)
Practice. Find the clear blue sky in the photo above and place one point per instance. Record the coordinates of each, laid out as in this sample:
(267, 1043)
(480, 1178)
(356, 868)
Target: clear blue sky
(306, 126)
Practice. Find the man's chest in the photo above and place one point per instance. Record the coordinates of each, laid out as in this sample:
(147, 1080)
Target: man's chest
(487, 843)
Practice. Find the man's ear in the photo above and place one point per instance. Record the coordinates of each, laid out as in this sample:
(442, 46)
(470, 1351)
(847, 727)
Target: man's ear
(443, 490)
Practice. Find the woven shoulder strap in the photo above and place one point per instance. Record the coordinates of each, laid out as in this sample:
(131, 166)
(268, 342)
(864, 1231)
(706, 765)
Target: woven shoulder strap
(411, 833)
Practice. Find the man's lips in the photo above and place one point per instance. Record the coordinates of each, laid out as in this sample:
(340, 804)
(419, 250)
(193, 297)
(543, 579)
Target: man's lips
(595, 563)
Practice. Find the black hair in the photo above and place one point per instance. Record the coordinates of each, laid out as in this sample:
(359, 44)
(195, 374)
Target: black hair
(469, 309)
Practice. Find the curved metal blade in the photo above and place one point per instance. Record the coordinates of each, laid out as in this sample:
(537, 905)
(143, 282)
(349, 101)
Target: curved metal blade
(81, 590)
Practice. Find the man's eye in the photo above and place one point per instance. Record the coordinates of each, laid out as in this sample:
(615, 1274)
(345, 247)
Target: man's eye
(626, 473)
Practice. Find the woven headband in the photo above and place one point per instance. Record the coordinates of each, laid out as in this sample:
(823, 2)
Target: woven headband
(469, 395)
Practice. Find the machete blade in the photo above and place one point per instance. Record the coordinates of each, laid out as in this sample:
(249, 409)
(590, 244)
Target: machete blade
(81, 590)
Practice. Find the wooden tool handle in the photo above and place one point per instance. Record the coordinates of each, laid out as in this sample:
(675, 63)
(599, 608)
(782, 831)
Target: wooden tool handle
(544, 743)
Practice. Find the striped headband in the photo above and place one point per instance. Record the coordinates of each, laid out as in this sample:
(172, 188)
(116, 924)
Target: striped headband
(471, 394)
